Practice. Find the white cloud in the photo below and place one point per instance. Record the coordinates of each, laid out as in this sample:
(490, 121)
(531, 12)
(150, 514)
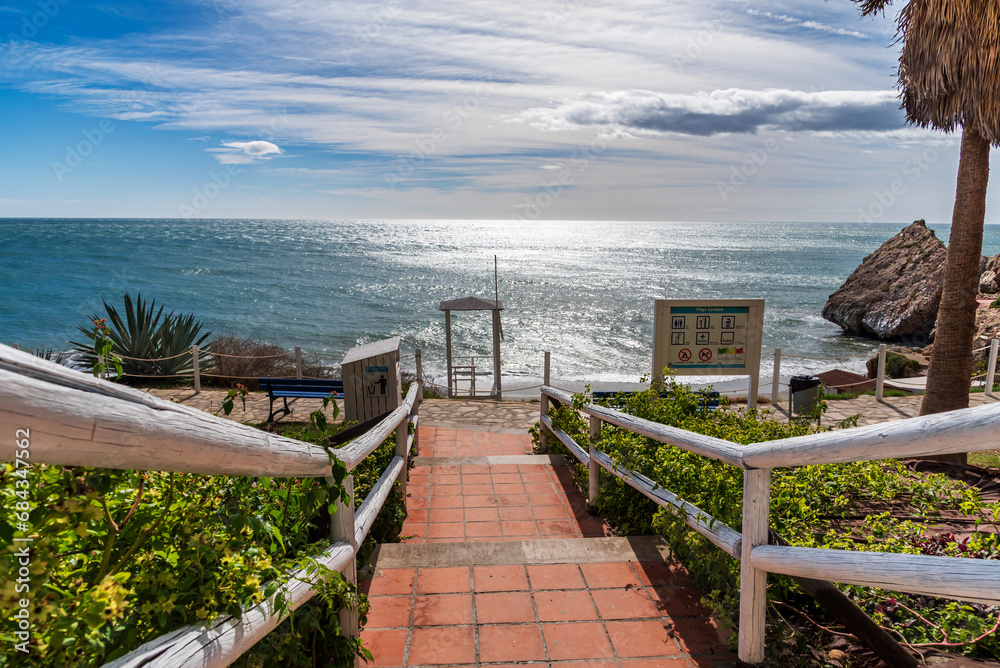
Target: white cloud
(244, 152)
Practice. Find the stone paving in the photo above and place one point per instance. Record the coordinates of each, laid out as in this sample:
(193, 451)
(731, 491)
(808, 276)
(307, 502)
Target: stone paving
(475, 582)
(516, 417)
(874, 412)
(210, 400)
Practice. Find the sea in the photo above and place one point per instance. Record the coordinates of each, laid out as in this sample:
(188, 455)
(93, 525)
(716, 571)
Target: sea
(583, 290)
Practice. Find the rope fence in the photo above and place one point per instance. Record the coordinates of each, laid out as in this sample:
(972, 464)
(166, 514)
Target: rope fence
(154, 359)
(200, 360)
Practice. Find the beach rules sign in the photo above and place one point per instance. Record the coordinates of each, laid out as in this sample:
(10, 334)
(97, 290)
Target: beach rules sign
(701, 337)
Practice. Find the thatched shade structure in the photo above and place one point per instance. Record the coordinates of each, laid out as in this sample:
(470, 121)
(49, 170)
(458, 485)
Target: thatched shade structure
(474, 304)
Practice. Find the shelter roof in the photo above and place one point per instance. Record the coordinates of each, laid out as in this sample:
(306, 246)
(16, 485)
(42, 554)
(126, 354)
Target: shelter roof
(471, 304)
(371, 350)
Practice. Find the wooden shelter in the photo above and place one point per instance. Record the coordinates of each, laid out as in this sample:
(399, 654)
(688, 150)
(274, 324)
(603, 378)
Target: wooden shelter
(473, 304)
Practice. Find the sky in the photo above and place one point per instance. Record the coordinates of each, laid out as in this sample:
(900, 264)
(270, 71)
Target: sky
(569, 109)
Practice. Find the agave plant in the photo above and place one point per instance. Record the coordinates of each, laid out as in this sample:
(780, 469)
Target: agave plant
(149, 342)
(50, 355)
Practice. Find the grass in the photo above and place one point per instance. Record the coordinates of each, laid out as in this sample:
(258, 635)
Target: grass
(843, 396)
(986, 458)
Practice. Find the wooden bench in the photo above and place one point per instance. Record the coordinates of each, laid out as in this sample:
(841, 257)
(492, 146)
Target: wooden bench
(310, 388)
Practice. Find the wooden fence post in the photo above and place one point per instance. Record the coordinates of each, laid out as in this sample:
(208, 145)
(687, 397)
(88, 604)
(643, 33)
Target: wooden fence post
(593, 468)
(544, 408)
(14, 346)
(991, 371)
(402, 438)
(774, 381)
(420, 376)
(880, 382)
(342, 529)
(298, 363)
(197, 369)
(753, 582)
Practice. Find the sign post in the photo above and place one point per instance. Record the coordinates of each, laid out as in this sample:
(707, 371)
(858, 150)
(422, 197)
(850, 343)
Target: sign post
(709, 337)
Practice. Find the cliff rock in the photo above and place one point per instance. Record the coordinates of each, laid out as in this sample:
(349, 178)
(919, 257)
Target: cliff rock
(989, 275)
(894, 294)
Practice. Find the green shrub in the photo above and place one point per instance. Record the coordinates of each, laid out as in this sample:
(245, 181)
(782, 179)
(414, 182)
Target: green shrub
(811, 506)
(145, 334)
(122, 557)
(242, 360)
(897, 365)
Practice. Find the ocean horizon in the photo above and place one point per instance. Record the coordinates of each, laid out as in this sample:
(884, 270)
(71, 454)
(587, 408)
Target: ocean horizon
(584, 290)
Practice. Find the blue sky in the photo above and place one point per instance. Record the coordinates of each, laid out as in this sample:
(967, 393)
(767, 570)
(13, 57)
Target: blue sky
(572, 109)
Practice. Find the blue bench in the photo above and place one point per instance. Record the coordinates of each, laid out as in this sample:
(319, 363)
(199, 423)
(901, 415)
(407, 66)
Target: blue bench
(310, 388)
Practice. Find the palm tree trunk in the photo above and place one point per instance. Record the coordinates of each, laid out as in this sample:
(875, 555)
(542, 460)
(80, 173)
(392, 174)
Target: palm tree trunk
(949, 376)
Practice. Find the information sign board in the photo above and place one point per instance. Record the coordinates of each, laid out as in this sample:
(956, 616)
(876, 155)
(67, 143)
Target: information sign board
(377, 381)
(717, 337)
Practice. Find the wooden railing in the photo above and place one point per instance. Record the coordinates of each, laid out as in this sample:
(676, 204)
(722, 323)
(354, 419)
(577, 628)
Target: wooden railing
(77, 420)
(967, 430)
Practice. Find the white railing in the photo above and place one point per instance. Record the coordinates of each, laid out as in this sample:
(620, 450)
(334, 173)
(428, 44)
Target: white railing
(967, 430)
(77, 420)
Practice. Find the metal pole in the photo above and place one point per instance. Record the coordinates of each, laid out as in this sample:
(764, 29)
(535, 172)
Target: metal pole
(775, 382)
(298, 363)
(991, 371)
(880, 382)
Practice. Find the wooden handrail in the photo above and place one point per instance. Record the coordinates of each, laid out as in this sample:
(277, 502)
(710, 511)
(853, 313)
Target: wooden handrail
(706, 446)
(966, 430)
(78, 420)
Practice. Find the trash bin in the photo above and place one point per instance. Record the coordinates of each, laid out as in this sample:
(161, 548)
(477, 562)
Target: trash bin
(804, 391)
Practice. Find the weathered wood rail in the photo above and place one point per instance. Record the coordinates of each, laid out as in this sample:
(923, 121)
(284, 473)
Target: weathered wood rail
(967, 430)
(78, 420)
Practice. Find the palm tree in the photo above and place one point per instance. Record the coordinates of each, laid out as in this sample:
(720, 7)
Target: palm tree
(949, 76)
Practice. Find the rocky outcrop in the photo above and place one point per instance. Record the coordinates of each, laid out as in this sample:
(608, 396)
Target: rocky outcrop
(894, 294)
(989, 275)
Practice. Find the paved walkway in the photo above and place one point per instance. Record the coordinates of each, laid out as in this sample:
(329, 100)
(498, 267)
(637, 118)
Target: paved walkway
(502, 565)
(515, 417)
(875, 412)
